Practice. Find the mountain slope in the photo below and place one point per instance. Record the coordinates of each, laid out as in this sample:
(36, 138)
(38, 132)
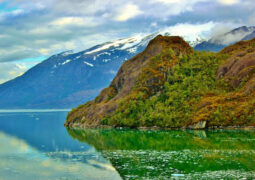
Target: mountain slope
(218, 42)
(171, 86)
(68, 79)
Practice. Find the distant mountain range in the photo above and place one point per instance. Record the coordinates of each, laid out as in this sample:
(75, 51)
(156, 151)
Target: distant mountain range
(220, 41)
(68, 79)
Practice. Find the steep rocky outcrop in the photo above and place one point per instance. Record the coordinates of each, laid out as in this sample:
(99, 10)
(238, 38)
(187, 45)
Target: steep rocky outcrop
(107, 102)
(240, 66)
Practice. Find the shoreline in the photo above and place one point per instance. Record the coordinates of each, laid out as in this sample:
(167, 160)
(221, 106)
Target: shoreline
(82, 127)
(32, 110)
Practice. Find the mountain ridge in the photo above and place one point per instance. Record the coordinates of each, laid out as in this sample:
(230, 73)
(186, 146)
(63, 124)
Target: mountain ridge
(68, 79)
(220, 41)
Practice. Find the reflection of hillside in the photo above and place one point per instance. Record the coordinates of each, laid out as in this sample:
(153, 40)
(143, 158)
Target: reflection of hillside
(164, 140)
(152, 154)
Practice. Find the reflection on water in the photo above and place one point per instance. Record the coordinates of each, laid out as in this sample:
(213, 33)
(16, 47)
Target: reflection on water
(21, 161)
(37, 146)
(175, 154)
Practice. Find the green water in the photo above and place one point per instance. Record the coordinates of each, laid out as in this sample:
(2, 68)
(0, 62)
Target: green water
(175, 154)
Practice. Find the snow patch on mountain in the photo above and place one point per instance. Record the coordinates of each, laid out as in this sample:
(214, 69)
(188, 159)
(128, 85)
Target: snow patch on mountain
(132, 50)
(122, 43)
(104, 53)
(132, 41)
(67, 61)
(66, 53)
(113, 72)
(106, 60)
(89, 64)
(77, 57)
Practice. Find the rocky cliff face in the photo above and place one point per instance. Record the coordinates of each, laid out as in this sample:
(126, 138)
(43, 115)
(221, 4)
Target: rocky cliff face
(125, 81)
(240, 66)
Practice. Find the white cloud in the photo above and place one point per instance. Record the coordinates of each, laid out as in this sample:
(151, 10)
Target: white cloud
(80, 24)
(127, 12)
(74, 21)
(165, 8)
(228, 2)
(154, 24)
(251, 19)
(168, 1)
(68, 20)
(190, 32)
(9, 71)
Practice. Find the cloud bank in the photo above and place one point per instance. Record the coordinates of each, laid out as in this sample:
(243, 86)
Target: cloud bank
(40, 28)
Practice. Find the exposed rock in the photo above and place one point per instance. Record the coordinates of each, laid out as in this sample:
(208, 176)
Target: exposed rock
(241, 63)
(198, 125)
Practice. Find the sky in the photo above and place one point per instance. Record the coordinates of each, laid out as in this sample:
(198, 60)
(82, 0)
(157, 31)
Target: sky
(32, 30)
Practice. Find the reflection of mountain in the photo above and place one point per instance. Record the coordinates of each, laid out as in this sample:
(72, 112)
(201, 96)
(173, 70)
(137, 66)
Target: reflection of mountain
(43, 131)
(164, 154)
(21, 161)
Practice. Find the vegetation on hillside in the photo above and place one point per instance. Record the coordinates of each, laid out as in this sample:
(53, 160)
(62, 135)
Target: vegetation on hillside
(176, 89)
(178, 84)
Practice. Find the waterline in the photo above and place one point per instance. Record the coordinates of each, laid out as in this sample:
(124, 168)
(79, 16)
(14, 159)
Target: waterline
(33, 110)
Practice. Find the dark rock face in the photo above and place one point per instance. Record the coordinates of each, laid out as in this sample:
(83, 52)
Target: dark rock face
(241, 63)
(129, 71)
(236, 105)
(198, 125)
(125, 80)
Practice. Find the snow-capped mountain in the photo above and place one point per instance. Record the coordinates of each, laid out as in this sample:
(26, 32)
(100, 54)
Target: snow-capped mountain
(68, 79)
(220, 41)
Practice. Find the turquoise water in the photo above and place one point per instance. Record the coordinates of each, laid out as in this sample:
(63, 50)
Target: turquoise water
(35, 145)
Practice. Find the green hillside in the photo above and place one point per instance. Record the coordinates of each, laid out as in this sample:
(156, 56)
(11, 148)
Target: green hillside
(170, 85)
